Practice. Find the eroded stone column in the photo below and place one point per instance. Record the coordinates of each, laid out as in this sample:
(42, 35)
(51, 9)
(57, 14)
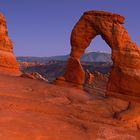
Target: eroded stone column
(8, 63)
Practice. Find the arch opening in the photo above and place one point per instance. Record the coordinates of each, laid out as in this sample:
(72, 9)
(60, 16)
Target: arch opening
(99, 45)
(97, 63)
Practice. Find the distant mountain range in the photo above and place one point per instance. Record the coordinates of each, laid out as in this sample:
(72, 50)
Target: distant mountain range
(89, 57)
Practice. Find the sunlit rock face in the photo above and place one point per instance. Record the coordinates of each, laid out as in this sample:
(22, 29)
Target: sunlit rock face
(8, 63)
(125, 75)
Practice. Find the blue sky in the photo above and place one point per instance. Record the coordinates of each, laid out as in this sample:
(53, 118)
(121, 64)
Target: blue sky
(43, 27)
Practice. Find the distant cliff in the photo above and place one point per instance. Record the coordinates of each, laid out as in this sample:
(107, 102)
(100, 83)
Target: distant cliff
(90, 57)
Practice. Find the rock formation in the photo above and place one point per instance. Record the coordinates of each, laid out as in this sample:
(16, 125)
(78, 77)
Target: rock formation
(35, 110)
(34, 75)
(125, 75)
(8, 63)
(89, 79)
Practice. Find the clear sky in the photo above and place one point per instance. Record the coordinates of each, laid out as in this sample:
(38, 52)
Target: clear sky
(43, 27)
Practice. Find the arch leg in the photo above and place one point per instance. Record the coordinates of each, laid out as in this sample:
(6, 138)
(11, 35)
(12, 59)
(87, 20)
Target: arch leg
(81, 37)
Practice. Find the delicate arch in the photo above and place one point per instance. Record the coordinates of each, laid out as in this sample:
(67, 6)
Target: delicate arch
(125, 74)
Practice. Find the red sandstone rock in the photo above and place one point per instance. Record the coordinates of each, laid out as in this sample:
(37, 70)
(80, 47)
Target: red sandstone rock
(34, 75)
(74, 72)
(125, 75)
(8, 63)
(89, 79)
(35, 110)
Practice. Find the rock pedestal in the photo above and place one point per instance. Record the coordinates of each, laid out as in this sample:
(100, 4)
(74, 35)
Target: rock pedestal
(74, 68)
(8, 63)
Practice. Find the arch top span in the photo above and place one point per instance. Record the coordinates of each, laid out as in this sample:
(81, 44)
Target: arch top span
(112, 16)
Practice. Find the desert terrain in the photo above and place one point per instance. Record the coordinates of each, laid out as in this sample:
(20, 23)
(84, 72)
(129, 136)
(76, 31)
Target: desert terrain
(36, 110)
(73, 100)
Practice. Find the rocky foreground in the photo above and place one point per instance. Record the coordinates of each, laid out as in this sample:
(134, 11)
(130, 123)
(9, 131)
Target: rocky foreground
(35, 110)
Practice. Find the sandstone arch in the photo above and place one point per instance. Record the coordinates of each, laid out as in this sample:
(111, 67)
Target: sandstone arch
(125, 74)
(8, 63)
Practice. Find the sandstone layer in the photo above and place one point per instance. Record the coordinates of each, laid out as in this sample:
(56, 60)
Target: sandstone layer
(125, 74)
(35, 110)
(8, 63)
